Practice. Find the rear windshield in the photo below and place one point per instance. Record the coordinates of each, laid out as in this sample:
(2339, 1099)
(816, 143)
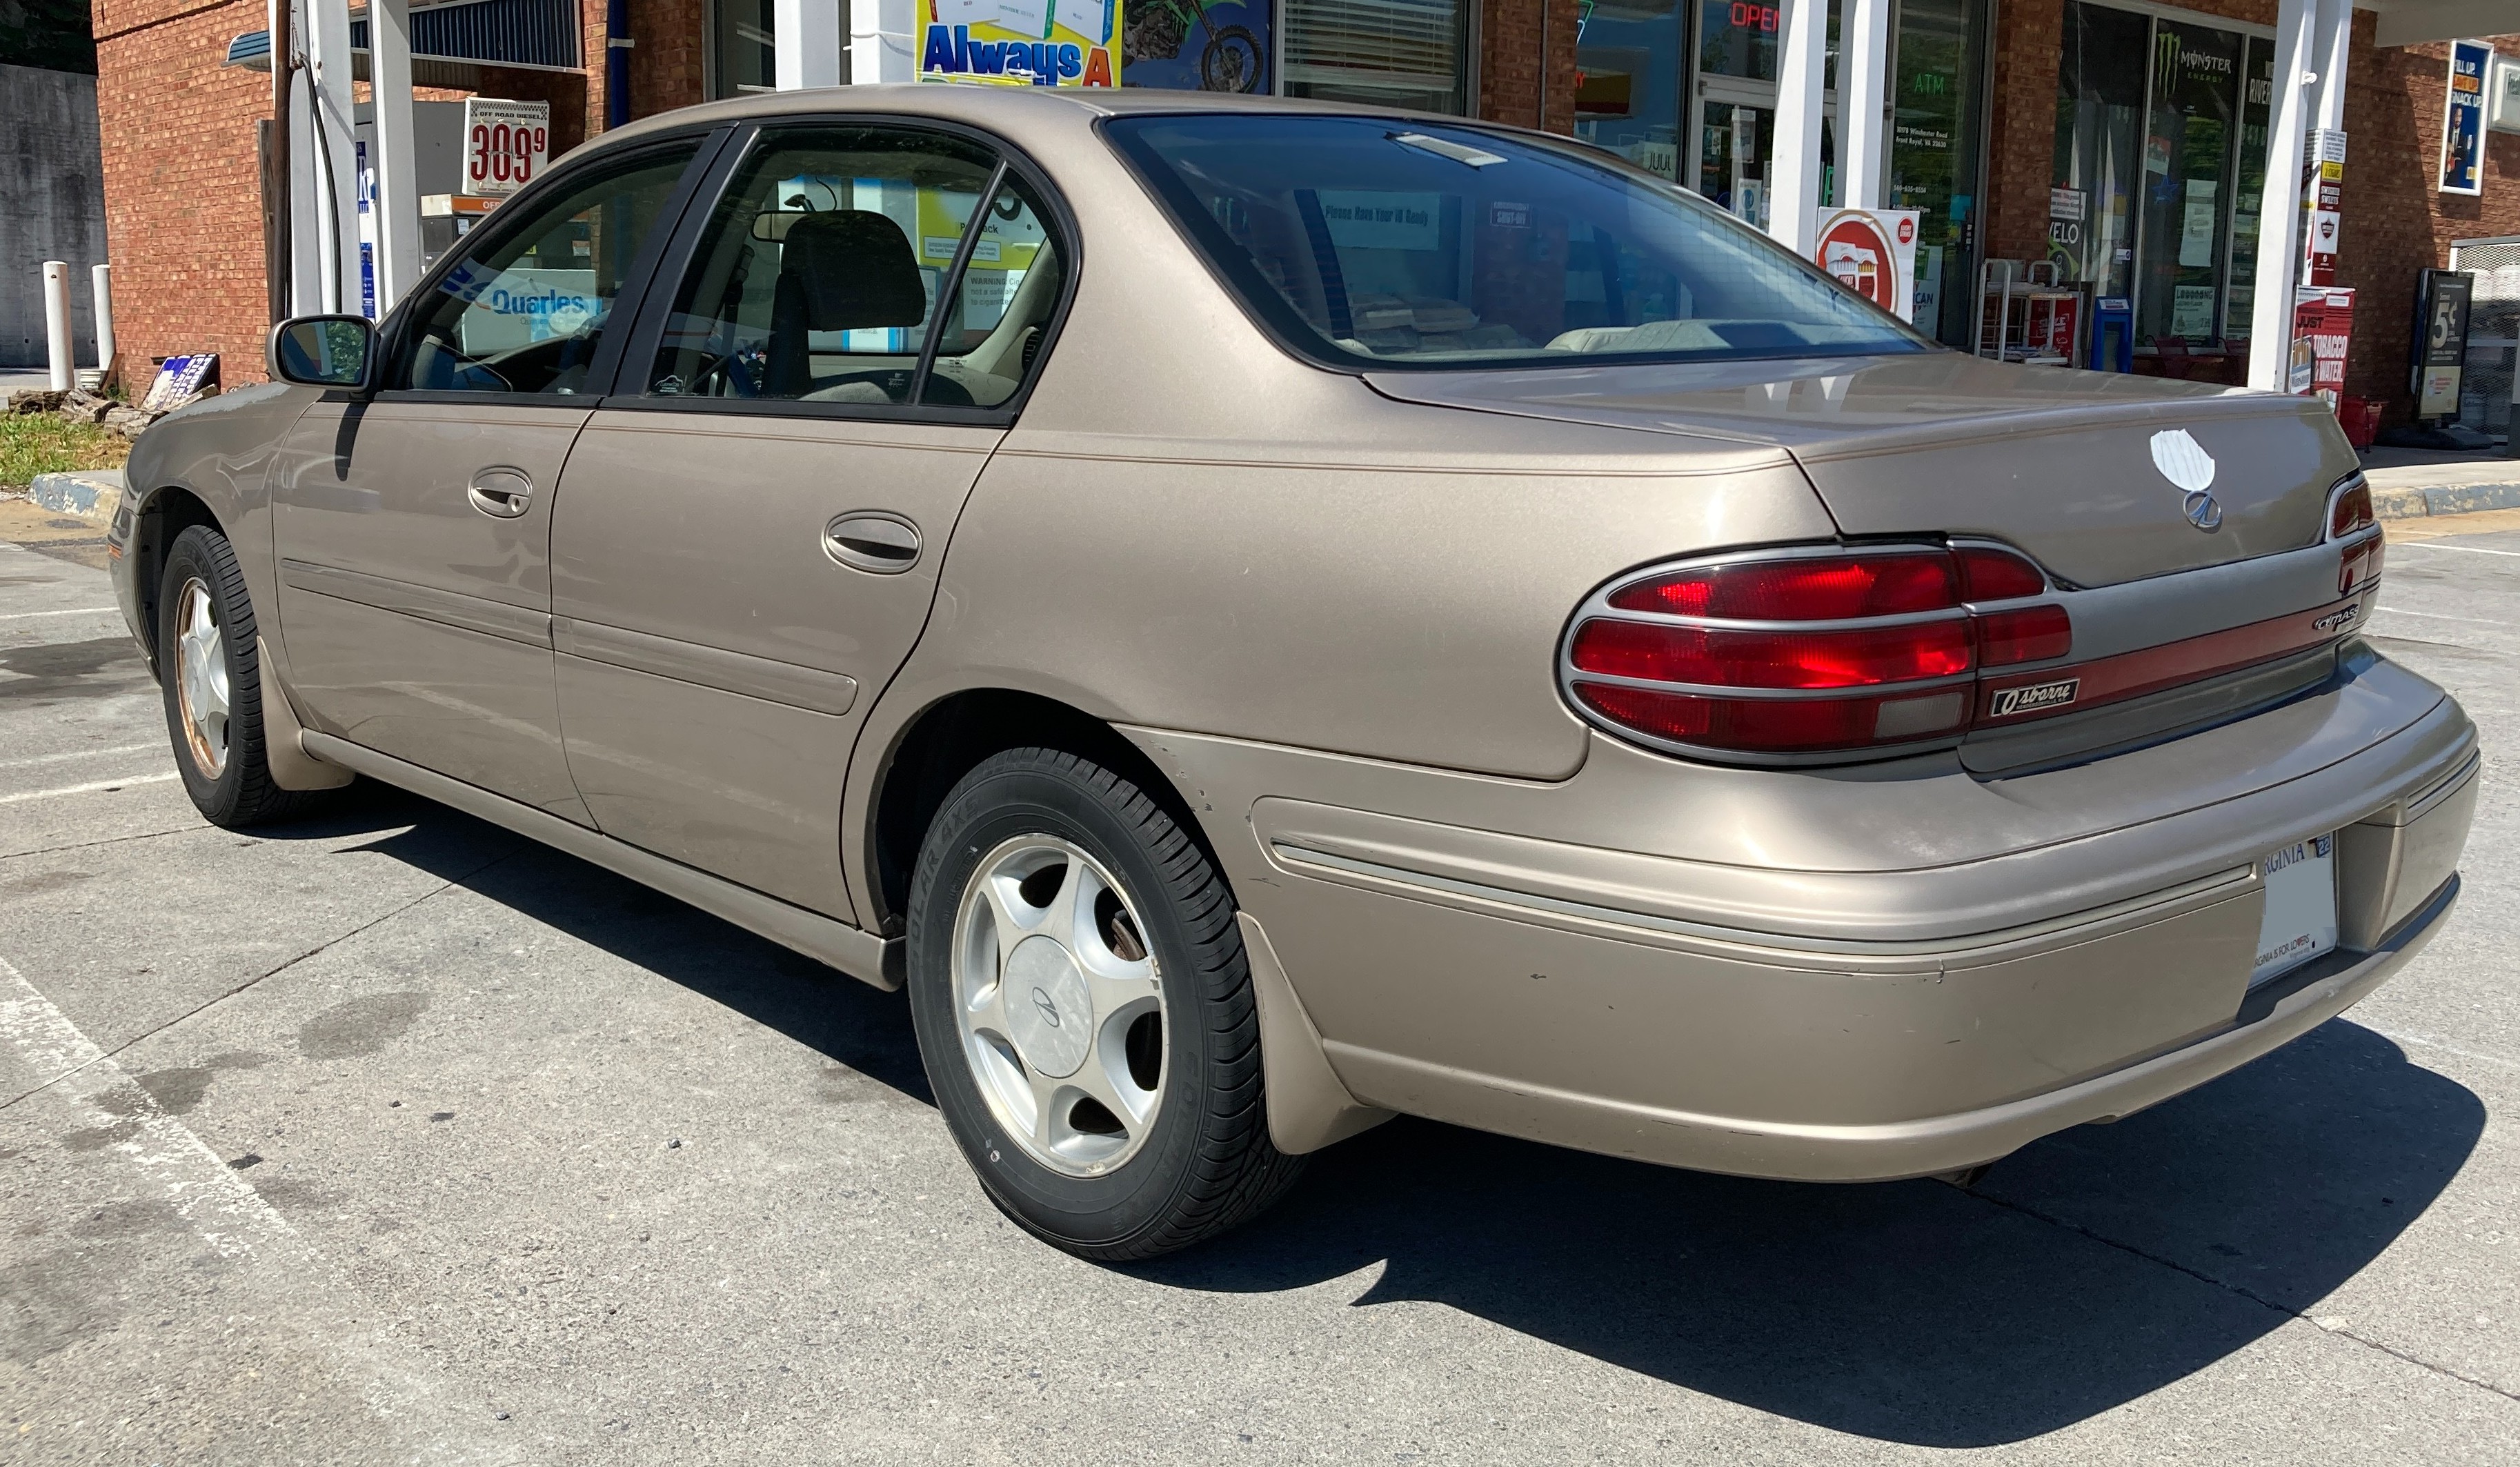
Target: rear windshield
(1398, 242)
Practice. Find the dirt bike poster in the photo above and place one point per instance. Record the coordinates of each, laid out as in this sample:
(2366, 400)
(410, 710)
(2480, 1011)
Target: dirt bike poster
(1043, 43)
(1222, 46)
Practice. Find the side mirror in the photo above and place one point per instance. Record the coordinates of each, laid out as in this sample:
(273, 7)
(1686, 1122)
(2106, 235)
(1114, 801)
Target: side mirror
(324, 351)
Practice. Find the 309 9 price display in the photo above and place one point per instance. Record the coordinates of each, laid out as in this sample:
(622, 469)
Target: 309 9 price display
(506, 144)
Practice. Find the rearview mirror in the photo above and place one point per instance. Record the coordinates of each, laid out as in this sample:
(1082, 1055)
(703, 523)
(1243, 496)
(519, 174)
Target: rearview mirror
(323, 352)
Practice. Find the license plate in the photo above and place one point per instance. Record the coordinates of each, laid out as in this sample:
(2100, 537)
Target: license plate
(2301, 907)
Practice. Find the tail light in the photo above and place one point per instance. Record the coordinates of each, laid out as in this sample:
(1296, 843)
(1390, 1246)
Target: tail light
(2349, 513)
(1802, 654)
(2351, 510)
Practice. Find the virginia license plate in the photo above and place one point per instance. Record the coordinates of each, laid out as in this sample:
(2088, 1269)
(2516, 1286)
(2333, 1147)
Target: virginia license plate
(2301, 907)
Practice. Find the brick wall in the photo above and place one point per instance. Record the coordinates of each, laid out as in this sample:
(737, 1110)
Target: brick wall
(2395, 223)
(665, 69)
(2021, 151)
(1508, 79)
(183, 194)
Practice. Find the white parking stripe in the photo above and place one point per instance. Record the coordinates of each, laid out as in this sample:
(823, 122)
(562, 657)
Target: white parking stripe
(2473, 621)
(72, 611)
(66, 755)
(90, 787)
(2473, 550)
(221, 1206)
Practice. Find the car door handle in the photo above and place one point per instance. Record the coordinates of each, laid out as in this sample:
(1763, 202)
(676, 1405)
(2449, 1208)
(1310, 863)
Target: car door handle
(501, 493)
(872, 541)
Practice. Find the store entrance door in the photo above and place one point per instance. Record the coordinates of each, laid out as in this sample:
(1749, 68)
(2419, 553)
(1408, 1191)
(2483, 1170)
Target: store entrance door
(1734, 142)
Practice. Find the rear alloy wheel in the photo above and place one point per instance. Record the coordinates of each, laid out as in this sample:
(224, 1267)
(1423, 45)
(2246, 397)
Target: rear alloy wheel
(1085, 1012)
(209, 668)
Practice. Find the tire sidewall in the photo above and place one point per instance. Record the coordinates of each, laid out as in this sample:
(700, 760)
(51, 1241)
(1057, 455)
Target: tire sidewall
(991, 805)
(197, 554)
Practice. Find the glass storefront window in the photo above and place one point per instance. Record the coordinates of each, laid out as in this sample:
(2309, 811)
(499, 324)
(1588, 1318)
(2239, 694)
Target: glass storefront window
(2239, 296)
(1627, 93)
(1383, 53)
(743, 48)
(2161, 139)
(1738, 39)
(2099, 141)
(1935, 81)
(2188, 182)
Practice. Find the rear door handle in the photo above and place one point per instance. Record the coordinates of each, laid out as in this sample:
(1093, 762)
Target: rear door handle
(501, 493)
(872, 541)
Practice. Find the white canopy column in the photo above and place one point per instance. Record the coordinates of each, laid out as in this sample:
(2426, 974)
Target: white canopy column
(324, 161)
(397, 195)
(2332, 40)
(1793, 172)
(1863, 87)
(807, 43)
(2279, 210)
(881, 38)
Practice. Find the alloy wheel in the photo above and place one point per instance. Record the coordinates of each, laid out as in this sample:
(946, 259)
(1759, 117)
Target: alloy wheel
(202, 677)
(1058, 1004)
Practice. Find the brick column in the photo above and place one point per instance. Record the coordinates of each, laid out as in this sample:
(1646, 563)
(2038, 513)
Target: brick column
(1510, 51)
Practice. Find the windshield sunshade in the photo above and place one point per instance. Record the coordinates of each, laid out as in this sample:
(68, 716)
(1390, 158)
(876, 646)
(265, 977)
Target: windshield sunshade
(1368, 243)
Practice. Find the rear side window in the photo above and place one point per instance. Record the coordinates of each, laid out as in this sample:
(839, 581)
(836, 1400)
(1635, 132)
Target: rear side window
(826, 274)
(1375, 243)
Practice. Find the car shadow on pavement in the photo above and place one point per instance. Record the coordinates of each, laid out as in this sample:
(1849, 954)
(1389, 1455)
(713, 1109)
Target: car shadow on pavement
(825, 1010)
(2084, 1271)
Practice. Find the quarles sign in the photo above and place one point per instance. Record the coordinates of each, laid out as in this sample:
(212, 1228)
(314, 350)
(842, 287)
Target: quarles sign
(1041, 43)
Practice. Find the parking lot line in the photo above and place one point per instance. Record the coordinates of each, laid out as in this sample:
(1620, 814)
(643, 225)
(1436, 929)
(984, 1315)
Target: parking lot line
(66, 755)
(90, 787)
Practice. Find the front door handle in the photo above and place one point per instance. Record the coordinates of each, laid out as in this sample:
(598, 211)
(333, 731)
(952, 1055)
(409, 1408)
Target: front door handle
(501, 493)
(872, 541)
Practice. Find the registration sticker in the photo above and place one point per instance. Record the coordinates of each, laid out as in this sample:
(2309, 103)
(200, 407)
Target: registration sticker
(2300, 921)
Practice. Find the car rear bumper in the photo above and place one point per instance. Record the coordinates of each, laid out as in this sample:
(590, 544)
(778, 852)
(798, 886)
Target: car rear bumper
(1826, 1025)
(1805, 1152)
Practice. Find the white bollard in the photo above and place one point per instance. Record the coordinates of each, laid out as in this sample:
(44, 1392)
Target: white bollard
(100, 285)
(56, 324)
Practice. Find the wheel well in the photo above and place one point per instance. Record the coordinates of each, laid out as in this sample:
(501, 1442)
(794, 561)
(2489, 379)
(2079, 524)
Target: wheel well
(947, 741)
(169, 512)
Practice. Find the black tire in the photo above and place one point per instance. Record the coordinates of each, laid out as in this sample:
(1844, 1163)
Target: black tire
(1206, 1163)
(238, 792)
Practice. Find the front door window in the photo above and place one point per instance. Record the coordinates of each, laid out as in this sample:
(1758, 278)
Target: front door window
(524, 312)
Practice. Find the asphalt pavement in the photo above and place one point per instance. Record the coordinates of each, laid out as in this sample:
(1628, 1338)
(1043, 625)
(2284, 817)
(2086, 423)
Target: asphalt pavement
(387, 1136)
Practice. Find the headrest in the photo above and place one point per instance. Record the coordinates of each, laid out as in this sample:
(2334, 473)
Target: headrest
(855, 269)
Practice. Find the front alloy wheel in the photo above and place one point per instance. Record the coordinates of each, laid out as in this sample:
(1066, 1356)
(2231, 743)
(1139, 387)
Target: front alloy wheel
(202, 677)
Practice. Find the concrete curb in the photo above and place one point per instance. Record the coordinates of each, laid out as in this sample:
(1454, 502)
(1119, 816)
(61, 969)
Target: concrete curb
(2443, 499)
(89, 494)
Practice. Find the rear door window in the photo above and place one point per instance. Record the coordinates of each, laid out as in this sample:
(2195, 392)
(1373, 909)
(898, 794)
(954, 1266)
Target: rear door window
(820, 275)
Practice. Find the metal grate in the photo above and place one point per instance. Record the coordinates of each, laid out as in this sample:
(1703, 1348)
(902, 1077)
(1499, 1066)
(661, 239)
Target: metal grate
(2492, 331)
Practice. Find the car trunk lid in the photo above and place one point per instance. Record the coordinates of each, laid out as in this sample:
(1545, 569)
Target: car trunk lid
(2068, 466)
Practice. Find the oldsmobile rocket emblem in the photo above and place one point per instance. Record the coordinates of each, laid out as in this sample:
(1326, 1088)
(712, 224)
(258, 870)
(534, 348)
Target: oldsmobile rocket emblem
(2184, 462)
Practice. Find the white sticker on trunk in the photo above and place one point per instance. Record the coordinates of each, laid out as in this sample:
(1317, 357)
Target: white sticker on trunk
(2036, 695)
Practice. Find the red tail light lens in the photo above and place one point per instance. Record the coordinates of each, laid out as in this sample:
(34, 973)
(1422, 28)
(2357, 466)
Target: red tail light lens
(1663, 652)
(1834, 677)
(2033, 634)
(1777, 725)
(2362, 566)
(2353, 511)
(1833, 589)
(1995, 575)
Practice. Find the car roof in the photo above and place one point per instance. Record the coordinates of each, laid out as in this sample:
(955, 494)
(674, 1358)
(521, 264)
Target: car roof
(1012, 111)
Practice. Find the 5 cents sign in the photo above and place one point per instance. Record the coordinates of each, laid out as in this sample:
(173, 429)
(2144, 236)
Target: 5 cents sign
(505, 144)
